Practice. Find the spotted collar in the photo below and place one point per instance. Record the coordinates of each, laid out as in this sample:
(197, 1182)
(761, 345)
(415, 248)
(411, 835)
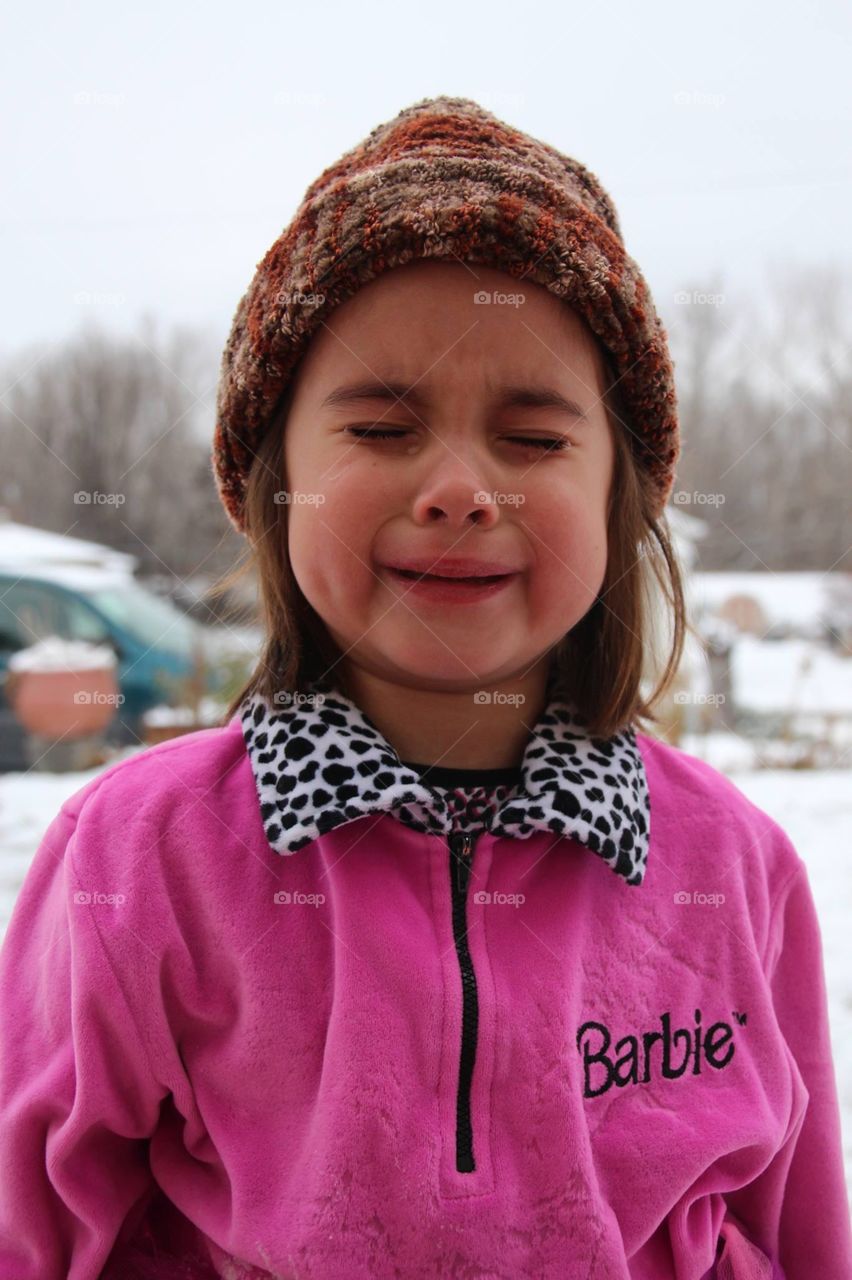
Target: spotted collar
(319, 761)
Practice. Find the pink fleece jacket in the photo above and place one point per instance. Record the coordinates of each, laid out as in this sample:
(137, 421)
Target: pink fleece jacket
(396, 1052)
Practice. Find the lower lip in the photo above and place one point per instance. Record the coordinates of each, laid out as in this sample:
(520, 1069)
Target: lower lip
(451, 591)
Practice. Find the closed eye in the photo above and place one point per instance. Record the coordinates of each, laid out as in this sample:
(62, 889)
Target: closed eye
(544, 443)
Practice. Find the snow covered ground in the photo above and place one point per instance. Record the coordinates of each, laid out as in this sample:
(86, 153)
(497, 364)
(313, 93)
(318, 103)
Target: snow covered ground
(804, 599)
(793, 675)
(815, 808)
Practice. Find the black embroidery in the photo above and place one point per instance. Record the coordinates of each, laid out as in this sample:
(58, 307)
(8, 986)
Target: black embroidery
(633, 1059)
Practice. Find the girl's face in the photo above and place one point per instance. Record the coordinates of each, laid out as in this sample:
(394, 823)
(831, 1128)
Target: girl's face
(454, 380)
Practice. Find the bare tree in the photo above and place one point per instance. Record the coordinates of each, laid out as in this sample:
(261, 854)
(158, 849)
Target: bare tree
(108, 438)
(764, 391)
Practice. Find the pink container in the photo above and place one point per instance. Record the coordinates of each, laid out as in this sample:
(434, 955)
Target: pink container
(63, 704)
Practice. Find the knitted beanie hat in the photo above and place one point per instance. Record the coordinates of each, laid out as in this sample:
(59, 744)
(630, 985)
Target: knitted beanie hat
(444, 179)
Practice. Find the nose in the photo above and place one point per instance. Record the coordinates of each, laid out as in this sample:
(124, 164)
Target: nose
(454, 492)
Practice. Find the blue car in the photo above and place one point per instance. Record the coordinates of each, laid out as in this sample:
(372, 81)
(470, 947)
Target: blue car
(154, 642)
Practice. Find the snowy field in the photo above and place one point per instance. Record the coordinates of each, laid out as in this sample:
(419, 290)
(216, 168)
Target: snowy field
(815, 809)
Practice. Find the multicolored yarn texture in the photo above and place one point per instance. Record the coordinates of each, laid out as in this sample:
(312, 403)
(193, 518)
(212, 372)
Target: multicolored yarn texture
(445, 179)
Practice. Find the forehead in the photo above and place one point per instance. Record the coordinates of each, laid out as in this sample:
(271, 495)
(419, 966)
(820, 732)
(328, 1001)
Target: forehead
(454, 321)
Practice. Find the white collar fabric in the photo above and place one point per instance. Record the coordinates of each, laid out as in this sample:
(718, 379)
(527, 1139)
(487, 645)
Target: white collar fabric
(319, 761)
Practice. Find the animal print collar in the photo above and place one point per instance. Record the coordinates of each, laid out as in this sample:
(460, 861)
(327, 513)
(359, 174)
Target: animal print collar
(319, 761)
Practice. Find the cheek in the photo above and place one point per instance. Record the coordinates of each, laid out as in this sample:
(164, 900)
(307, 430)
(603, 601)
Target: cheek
(350, 486)
(567, 522)
(331, 537)
(569, 539)
(321, 555)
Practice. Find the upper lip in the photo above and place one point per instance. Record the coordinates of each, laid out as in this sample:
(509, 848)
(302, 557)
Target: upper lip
(461, 567)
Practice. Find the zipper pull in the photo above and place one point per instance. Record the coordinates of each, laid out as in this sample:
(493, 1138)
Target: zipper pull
(461, 844)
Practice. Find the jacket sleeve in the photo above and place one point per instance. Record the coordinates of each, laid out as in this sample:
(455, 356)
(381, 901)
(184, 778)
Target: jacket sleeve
(78, 1099)
(801, 1198)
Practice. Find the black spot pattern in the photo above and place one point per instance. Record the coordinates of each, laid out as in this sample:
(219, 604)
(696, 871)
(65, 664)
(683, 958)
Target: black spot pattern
(323, 763)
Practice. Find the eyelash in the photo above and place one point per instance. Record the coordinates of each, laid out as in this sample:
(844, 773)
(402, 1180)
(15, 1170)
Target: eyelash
(546, 445)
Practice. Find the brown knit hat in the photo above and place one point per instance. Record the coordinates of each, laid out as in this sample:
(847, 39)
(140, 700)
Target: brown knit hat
(444, 179)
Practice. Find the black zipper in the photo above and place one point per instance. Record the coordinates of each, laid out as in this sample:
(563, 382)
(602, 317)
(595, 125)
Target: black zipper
(461, 858)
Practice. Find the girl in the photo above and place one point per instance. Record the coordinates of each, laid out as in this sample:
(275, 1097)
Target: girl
(428, 962)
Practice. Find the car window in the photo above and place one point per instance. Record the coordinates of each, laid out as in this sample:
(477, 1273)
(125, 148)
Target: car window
(156, 622)
(10, 637)
(30, 612)
(84, 623)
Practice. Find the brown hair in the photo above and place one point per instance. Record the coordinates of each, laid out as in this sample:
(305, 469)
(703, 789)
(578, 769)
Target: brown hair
(598, 665)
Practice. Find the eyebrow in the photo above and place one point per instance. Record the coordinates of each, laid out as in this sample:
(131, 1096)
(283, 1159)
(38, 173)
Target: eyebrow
(514, 396)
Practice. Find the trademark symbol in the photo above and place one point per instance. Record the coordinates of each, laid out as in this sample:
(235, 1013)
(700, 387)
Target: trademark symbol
(742, 1018)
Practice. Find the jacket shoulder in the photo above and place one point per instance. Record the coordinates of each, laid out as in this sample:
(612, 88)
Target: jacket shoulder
(170, 774)
(692, 797)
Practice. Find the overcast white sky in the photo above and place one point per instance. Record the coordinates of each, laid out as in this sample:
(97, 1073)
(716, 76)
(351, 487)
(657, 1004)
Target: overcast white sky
(151, 157)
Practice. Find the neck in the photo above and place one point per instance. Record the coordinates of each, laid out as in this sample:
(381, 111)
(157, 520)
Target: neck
(453, 728)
